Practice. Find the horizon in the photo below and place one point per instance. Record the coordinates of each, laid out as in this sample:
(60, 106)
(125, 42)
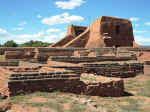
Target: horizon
(47, 20)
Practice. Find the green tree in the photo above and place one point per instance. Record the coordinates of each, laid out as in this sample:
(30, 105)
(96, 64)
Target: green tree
(32, 43)
(10, 43)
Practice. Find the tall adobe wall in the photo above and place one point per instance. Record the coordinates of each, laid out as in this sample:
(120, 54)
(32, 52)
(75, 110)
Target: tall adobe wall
(103, 32)
(72, 32)
(109, 31)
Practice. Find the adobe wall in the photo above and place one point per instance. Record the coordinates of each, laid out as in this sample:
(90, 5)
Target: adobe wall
(9, 63)
(25, 49)
(72, 32)
(80, 40)
(119, 30)
(14, 55)
(90, 59)
(115, 69)
(59, 81)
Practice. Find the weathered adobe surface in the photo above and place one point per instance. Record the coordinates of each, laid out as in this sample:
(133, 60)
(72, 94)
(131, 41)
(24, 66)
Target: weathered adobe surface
(123, 69)
(102, 86)
(72, 32)
(115, 69)
(20, 81)
(90, 59)
(25, 49)
(18, 55)
(103, 32)
(9, 63)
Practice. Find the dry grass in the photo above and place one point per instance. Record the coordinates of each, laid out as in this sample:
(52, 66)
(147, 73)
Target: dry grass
(138, 101)
(1, 57)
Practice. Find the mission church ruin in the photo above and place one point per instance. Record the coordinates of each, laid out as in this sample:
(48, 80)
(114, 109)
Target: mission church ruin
(103, 32)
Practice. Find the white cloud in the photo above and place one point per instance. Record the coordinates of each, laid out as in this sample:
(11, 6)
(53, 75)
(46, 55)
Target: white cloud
(39, 16)
(61, 19)
(38, 35)
(51, 30)
(142, 40)
(72, 4)
(21, 38)
(147, 23)
(2, 31)
(136, 25)
(22, 23)
(19, 29)
(139, 31)
(51, 38)
(134, 19)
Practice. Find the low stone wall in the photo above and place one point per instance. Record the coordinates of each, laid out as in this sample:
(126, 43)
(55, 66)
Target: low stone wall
(102, 86)
(65, 81)
(114, 69)
(3, 49)
(147, 62)
(9, 63)
(55, 51)
(90, 59)
(13, 55)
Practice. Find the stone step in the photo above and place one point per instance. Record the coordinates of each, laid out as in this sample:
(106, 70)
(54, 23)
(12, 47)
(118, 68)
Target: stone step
(90, 59)
(42, 77)
(45, 79)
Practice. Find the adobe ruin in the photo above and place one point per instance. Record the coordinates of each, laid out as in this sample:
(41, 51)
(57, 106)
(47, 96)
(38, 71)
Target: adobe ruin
(103, 32)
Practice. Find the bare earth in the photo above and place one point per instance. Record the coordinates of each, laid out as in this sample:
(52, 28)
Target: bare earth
(137, 99)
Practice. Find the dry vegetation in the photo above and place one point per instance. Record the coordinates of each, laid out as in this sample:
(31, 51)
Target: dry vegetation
(137, 100)
(1, 57)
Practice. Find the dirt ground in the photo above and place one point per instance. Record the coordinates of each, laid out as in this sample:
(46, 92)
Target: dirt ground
(136, 99)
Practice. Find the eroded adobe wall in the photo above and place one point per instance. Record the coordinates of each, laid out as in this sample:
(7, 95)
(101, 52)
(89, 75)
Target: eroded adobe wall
(109, 31)
(115, 69)
(80, 40)
(63, 41)
(14, 55)
(9, 63)
(72, 32)
(62, 81)
(90, 59)
(95, 37)
(25, 49)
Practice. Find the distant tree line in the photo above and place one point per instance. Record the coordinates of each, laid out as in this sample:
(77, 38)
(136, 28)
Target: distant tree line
(31, 43)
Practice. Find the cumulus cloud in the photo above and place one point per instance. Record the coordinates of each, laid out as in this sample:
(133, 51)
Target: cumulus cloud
(134, 19)
(20, 38)
(142, 40)
(50, 35)
(51, 38)
(139, 31)
(61, 19)
(51, 30)
(147, 23)
(2, 31)
(72, 4)
(37, 35)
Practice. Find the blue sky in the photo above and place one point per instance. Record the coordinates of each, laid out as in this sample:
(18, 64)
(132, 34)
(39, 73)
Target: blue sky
(47, 20)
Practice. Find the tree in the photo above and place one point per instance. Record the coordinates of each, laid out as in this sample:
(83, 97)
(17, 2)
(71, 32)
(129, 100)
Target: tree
(10, 43)
(32, 43)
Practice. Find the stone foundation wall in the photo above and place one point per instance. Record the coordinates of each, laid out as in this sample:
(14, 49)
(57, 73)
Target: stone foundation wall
(113, 88)
(90, 59)
(9, 63)
(14, 55)
(111, 69)
(65, 81)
